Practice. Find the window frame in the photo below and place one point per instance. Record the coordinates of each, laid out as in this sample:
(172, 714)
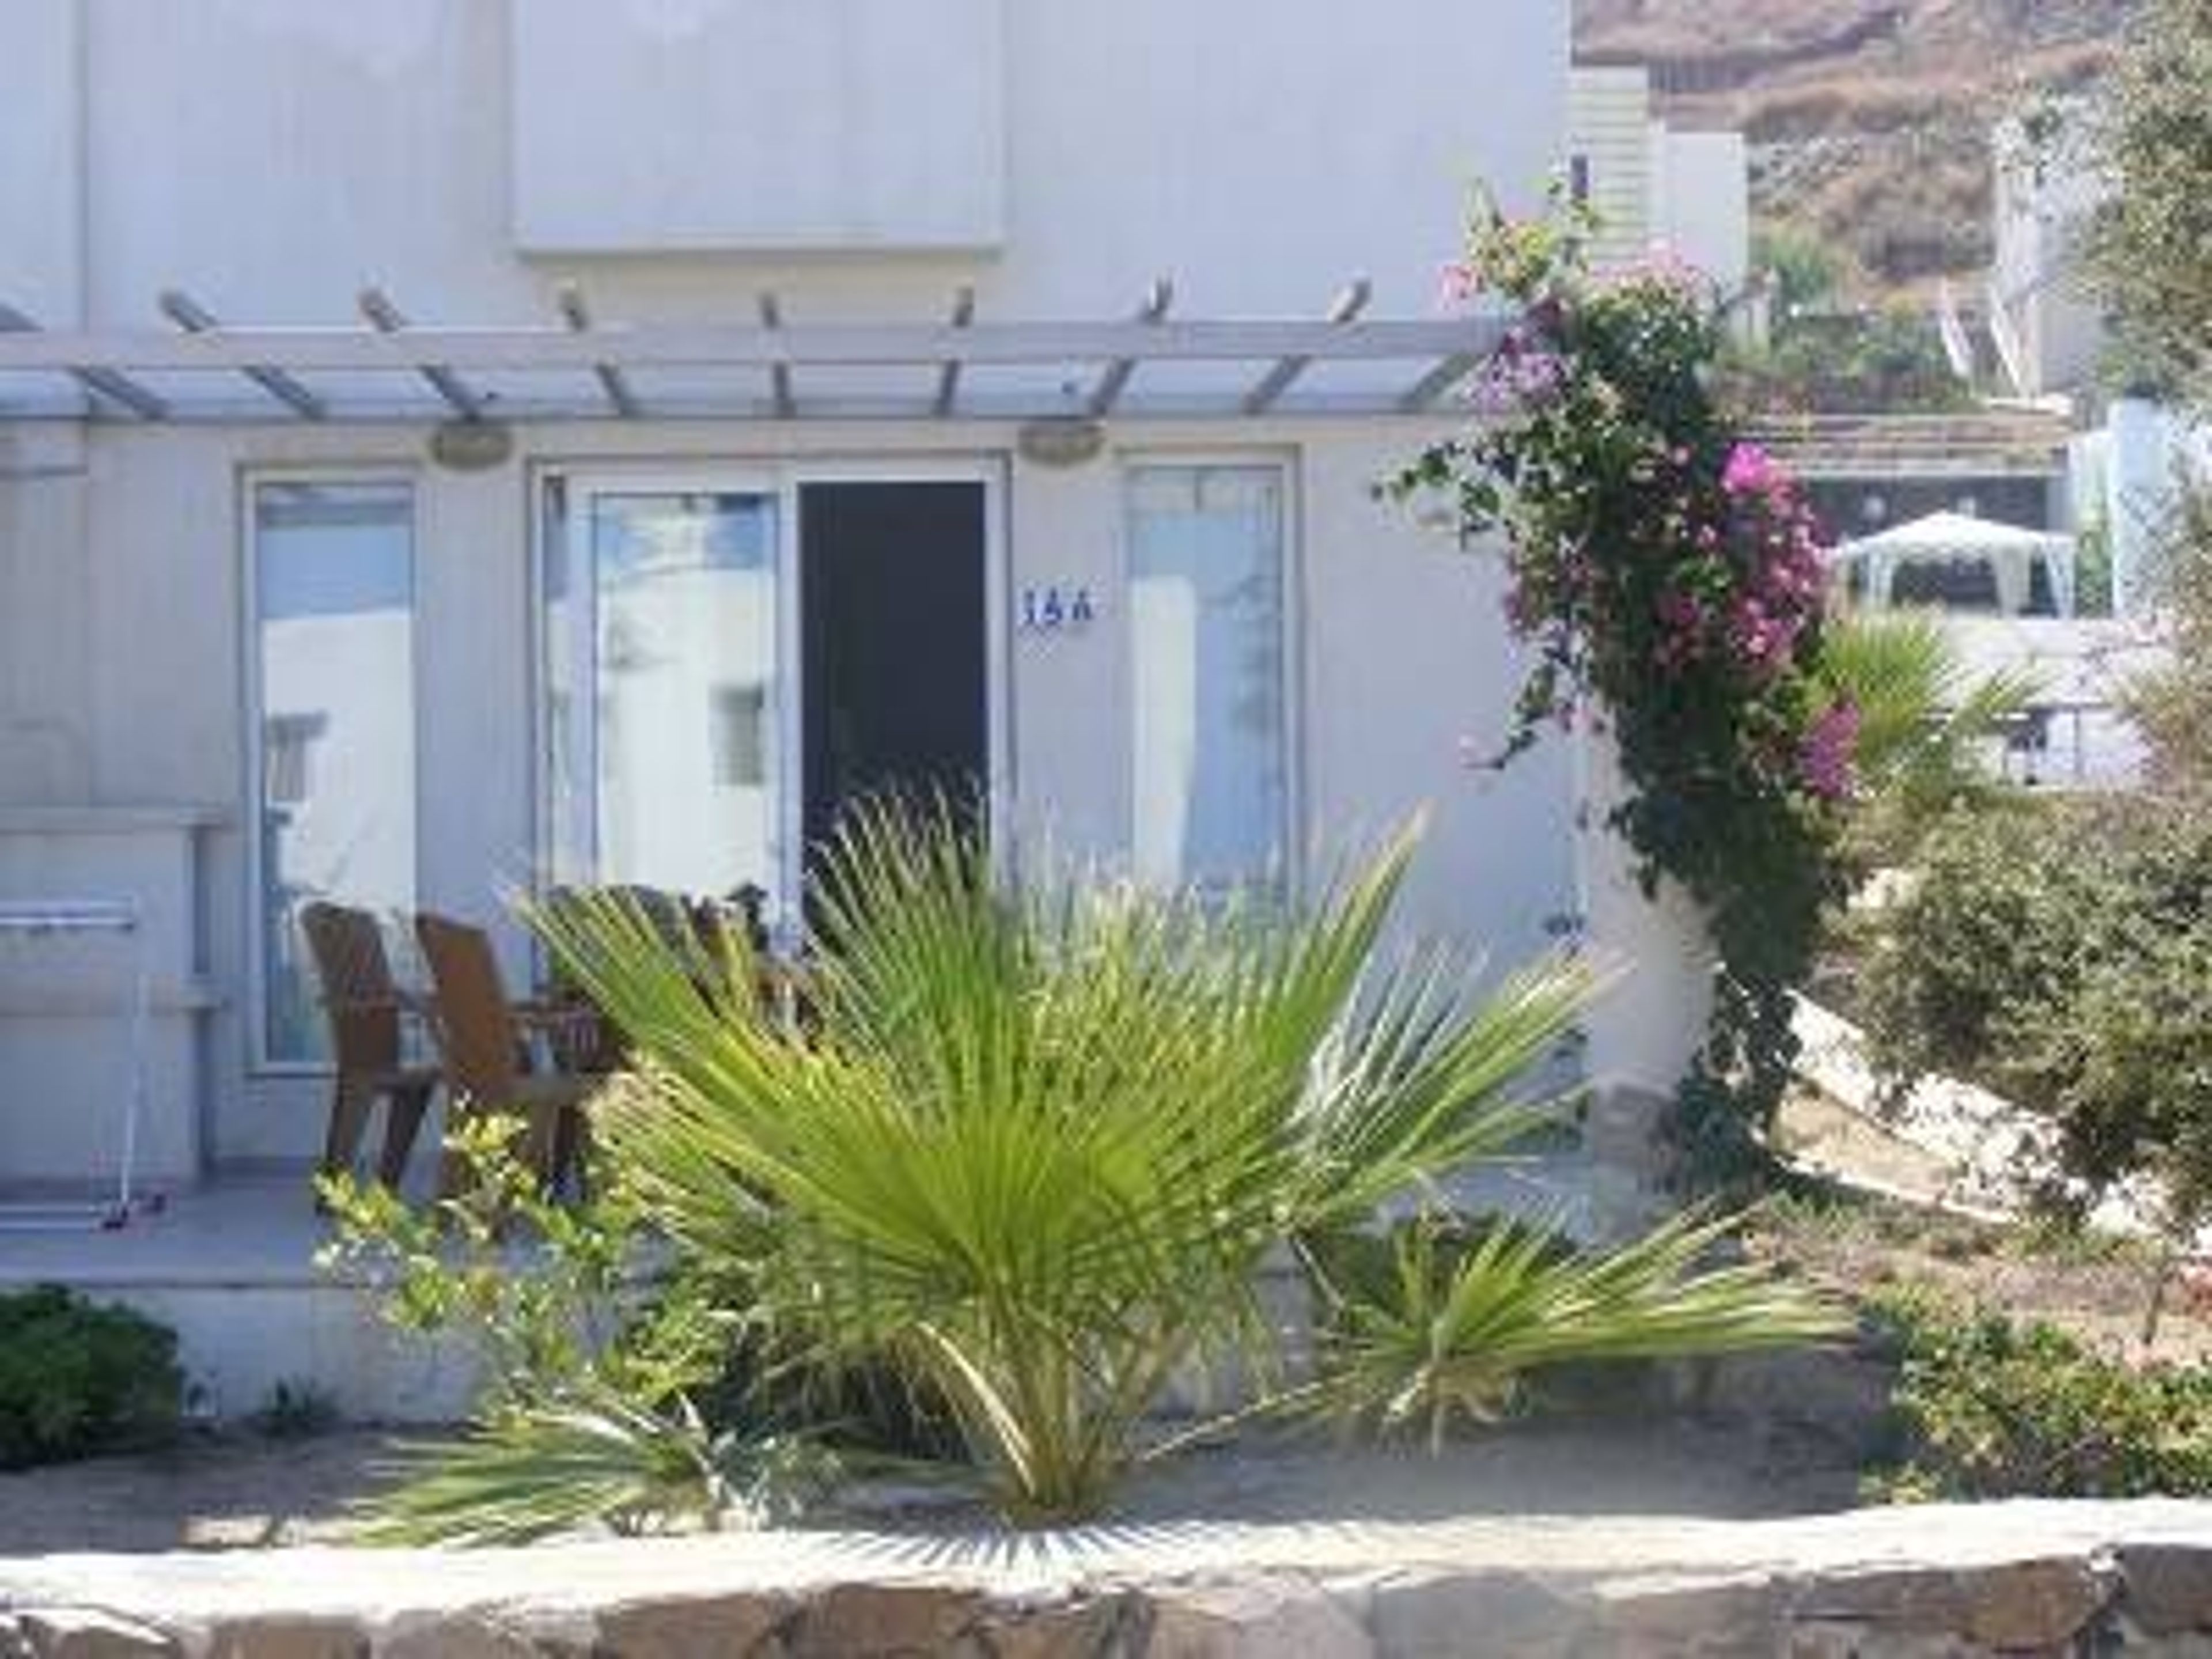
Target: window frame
(260, 1062)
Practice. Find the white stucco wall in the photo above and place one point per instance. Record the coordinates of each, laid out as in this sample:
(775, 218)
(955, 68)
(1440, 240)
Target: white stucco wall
(270, 156)
(1701, 193)
(2043, 199)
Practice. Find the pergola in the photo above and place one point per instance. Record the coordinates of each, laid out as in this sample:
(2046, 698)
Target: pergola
(572, 366)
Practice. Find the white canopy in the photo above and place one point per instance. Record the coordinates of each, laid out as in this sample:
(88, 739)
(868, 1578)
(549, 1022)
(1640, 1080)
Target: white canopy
(1953, 538)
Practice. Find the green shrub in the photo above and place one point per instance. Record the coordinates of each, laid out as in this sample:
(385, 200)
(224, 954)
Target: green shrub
(2062, 957)
(76, 1380)
(1989, 1409)
(616, 1395)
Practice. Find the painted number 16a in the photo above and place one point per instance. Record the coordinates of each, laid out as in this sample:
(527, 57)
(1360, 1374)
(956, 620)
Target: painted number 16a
(1055, 610)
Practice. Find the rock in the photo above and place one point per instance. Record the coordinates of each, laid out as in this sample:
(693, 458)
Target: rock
(1439, 1615)
(289, 1638)
(717, 1627)
(2033, 1604)
(883, 1621)
(2167, 1589)
(1711, 1620)
(1083, 1628)
(458, 1636)
(1270, 1617)
(87, 1633)
(1895, 1599)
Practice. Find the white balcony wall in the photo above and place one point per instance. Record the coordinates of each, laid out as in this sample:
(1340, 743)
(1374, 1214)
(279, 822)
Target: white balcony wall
(836, 125)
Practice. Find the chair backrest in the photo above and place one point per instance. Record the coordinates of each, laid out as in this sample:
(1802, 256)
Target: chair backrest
(361, 1002)
(475, 1027)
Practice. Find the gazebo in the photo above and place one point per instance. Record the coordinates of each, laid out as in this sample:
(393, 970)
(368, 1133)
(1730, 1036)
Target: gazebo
(2000, 559)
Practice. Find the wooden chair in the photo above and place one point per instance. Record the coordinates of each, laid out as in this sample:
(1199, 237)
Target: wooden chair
(484, 1039)
(364, 1008)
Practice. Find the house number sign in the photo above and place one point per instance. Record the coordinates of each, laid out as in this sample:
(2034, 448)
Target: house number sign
(1055, 608)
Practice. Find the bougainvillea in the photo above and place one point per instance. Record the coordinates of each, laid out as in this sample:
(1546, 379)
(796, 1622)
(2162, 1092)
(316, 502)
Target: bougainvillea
(1667, 577)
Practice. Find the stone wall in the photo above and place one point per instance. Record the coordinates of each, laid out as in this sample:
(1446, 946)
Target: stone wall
(2021, 1578)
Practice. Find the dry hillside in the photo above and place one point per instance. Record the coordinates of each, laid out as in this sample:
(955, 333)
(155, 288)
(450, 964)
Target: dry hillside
(1869, 119)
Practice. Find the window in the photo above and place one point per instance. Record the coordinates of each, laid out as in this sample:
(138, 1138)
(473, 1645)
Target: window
(1578, 180)
(333, 579)
(1209, 717)
(660, 654)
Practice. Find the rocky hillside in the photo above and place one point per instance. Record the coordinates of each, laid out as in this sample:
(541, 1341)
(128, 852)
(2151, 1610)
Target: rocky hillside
(1869, 119)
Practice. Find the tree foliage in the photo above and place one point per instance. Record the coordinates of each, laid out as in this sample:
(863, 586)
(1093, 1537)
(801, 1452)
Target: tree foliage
(2150, 244)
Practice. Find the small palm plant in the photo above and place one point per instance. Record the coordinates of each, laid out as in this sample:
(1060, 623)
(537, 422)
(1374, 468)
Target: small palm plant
(1034, 1140)
(1922, 715)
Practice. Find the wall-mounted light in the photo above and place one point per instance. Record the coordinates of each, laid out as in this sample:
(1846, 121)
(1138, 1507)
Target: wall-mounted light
(472, 445)
(1061, 441)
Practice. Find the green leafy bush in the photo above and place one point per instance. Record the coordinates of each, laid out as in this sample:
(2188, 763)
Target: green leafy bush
(2062, 957)
(596, 1356)
(1989, 1409)
(77, 1379)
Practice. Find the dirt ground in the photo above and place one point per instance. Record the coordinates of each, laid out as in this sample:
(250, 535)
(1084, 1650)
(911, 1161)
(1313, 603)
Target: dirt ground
(208, 1492)
(228, 1492)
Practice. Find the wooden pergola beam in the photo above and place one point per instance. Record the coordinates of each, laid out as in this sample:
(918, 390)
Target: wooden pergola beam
(388, 319)
(568, 299)
(778, 367)
(194, 318)
(1438, 380)
(883, 345)
(1115, 381)
(1279, 379)
(100, 380)
(948, 371)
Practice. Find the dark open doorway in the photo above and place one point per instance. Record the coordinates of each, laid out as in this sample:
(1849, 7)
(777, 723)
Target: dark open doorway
(892, 642)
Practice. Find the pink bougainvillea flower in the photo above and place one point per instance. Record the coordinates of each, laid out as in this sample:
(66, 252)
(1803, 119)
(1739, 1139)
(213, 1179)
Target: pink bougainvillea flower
(1457, 283)
(1750, 471)
(1825, 757)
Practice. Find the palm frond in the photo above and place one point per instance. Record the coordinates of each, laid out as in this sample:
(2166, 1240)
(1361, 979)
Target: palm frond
(1449, 1332)
(534, 1472)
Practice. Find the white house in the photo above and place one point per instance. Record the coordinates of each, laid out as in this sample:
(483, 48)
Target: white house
(2049, 334)
(450, 443)
(1656, 185)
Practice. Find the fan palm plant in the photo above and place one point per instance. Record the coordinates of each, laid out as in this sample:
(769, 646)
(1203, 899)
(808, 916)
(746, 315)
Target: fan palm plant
(1036, 1138)
(1922, 713)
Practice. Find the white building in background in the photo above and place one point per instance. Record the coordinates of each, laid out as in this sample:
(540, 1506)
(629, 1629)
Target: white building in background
(2049, 336)
(1652, 185)
(747, 413)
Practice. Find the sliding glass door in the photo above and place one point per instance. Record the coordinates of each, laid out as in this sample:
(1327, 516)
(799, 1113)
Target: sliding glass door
(662, 667)
(728, 665)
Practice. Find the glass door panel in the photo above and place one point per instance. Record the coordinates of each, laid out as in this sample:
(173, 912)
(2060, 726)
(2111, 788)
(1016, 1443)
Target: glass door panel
(661, 659)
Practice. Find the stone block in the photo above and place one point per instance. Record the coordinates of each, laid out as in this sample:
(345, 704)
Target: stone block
(1262, 1617)
(2167, 1589)
(1081, 1628)
(2034, 1605)
(289, 1638)
(1441, 1615)
(883, 1621)
(709, 1627)
(1742, 1620)
(87, 1633)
